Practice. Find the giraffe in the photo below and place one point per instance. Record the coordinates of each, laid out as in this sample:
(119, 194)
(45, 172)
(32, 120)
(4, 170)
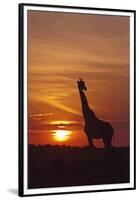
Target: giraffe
(94, 127)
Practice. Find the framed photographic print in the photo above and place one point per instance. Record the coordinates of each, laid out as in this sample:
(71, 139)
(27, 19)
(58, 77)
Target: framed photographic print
(76, 99)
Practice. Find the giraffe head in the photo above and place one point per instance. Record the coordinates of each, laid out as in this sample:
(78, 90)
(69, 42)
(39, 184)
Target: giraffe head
(81, 84)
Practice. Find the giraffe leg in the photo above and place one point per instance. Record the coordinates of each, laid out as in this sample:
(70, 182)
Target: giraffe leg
(109, 149)
(107, 142)
(90, 141)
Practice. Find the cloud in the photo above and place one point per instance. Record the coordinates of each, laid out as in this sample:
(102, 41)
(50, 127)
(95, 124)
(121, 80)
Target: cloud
(46, 128)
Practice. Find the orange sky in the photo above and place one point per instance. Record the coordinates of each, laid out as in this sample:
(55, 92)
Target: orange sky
(63, 47)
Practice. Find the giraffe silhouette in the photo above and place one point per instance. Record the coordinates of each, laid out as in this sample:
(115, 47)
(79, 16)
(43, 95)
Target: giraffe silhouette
(94, 127)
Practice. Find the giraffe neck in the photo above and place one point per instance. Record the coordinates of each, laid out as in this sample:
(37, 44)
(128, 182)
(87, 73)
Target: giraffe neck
(88, 113)
(84, 103)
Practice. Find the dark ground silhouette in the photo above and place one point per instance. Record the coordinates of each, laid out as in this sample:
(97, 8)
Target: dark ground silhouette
(55, 166)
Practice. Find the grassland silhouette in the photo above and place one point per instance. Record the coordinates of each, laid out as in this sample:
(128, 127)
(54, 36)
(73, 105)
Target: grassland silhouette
(59, 166)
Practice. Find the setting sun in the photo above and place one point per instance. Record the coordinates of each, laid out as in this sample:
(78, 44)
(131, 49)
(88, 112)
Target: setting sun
(61, 135)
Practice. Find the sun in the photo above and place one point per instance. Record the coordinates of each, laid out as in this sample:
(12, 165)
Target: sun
(61, 135)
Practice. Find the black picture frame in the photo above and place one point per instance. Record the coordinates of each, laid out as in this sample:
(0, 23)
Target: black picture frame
(21, 141)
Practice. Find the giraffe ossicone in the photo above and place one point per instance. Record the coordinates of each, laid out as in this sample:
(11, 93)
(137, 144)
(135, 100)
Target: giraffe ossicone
(81, 84)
